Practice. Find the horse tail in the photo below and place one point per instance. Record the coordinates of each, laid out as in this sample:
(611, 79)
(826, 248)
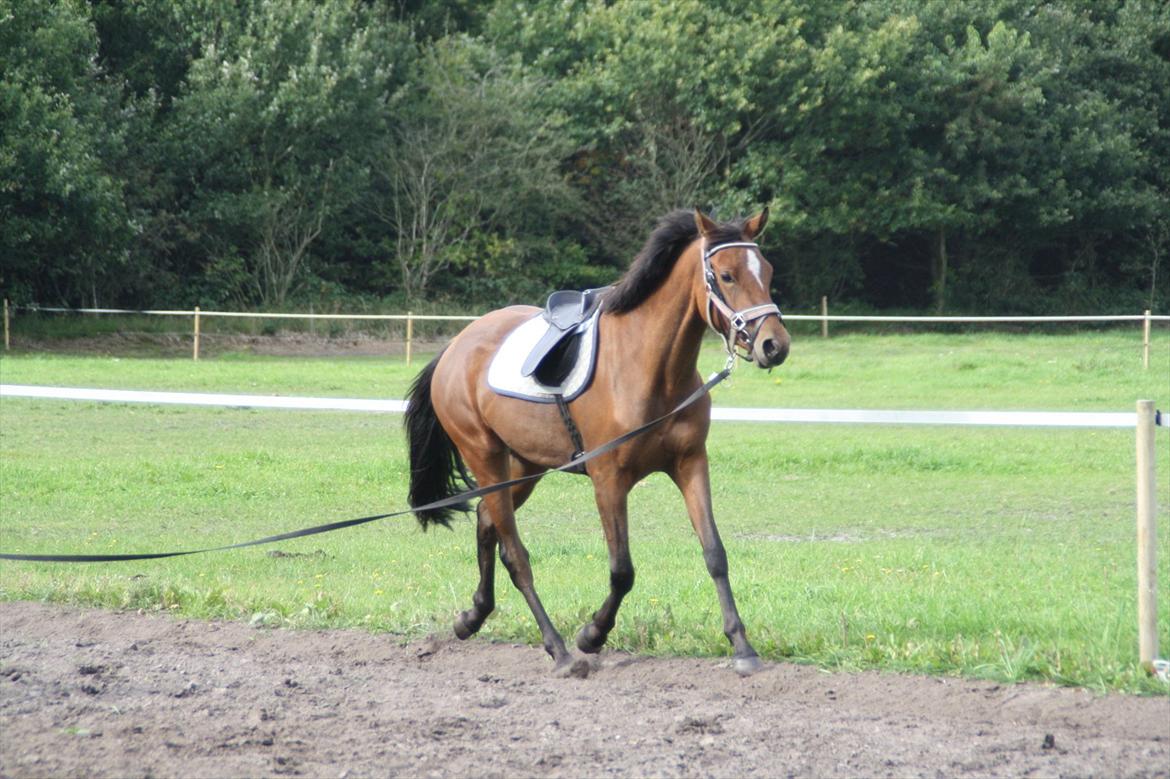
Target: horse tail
(436, 469)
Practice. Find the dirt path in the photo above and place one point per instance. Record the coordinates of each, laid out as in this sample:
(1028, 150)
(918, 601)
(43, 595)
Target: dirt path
(95, 693)
(284, 344)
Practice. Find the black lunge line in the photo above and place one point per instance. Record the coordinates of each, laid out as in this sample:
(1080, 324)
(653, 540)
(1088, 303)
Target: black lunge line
(479, 492)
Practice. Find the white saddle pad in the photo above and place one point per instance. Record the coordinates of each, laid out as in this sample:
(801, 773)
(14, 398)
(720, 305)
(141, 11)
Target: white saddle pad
(504, 371)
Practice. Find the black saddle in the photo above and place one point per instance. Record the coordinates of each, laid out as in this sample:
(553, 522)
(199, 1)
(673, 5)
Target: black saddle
(566, 313)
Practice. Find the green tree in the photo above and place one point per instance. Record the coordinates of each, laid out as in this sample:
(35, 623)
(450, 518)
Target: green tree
(272, 129)
(943, 150)
(63, 226)
(473, 154)
(662, 97)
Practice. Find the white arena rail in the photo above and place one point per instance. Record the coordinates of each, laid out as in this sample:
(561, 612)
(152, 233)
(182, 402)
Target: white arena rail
(720, 414)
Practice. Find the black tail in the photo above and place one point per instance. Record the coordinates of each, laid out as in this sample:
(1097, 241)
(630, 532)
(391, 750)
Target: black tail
(436, 469)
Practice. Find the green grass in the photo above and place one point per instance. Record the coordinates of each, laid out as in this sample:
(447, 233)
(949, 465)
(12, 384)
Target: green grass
(1088, 371)
(998, 553)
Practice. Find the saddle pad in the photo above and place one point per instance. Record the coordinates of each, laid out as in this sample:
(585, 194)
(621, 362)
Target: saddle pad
(504, 371)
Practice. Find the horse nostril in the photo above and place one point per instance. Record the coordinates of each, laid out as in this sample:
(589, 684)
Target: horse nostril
(774, 352)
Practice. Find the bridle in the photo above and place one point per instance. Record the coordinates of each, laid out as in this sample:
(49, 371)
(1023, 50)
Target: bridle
(738, 321)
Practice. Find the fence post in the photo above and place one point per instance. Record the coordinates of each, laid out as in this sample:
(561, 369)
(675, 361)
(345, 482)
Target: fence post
(409, 334)
(1146, 537)
(1146, 340)
(5, 324)
(195, 346)
(825, 315)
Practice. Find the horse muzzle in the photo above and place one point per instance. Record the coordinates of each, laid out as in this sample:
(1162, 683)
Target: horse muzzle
(770, 347)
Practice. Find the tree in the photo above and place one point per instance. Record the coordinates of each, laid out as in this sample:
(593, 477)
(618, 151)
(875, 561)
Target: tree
(474, 153)
(63, 225)
(272, 130)
(944, 151)
(662, 98)
(984, 155)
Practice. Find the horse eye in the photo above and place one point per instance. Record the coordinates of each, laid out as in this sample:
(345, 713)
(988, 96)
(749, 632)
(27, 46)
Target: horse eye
(725, 276)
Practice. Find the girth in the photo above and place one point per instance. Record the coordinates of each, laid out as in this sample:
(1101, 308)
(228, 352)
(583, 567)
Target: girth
(553, 357)
(574, 434)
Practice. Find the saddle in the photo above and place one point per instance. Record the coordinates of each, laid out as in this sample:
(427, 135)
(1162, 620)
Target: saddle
(567, 314)
(550, 357)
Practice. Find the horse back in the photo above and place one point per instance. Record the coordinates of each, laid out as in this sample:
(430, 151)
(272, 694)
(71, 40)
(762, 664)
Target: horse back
(461, 374)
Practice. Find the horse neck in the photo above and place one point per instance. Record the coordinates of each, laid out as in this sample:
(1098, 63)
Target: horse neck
(663, 335)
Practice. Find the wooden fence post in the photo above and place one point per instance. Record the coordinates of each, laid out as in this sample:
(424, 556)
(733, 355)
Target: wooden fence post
(409, 334)
(1146, 340)
(1146, 537)
(825, 314)
(195, 345)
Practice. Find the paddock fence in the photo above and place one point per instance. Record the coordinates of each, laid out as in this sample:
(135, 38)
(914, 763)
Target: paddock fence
(197, 316)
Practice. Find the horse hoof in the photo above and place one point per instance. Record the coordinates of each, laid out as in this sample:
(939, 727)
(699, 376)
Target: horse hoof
(463, 630)
(746, 666)
(590, 640)
(573, 669)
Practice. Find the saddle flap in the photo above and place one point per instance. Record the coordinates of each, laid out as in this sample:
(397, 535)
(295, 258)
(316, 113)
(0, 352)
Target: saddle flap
(558, 362)
(547, 343)
(566, 311)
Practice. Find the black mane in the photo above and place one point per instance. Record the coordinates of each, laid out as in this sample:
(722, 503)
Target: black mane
(653, 264)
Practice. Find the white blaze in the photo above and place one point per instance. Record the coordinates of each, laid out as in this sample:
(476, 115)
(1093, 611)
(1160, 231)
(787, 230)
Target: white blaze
(753, 263)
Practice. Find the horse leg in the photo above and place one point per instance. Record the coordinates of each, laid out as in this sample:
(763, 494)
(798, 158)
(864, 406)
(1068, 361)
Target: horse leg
(611, 504)
(693, 478)
(483, 601)
(489, 469)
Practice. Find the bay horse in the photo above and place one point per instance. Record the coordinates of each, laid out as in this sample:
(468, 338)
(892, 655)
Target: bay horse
(691, 274)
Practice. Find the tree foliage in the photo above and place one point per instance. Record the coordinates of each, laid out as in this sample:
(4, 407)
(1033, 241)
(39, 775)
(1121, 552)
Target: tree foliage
(63, 223)
(990, 155)
(471, 155)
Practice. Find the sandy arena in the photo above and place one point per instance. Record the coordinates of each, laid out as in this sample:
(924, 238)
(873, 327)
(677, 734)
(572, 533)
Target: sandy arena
(102, 694)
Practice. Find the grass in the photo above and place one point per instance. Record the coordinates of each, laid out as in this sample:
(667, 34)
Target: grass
(1088, 371)
(997, 553)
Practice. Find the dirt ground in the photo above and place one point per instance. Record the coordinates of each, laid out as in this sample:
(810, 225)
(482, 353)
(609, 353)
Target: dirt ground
(96, 693)
(282, 344)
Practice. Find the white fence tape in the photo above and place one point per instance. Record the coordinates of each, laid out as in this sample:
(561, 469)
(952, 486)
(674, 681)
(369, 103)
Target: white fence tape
(899, 417)
(467, 318)
(202, 399)
(257, 314)
(805, 415)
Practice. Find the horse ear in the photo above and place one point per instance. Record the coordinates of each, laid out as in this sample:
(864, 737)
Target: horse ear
(705, 225)
(755, 225)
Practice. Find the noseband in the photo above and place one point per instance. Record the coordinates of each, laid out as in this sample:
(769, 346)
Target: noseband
(738, 321)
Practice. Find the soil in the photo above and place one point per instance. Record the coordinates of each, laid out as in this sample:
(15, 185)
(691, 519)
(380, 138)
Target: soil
(281, 344)
(97, 693)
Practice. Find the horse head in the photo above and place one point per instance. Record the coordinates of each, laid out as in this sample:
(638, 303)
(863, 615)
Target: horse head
(734, 291)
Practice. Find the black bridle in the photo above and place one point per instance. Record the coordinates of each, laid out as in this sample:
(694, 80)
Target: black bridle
(738, 331)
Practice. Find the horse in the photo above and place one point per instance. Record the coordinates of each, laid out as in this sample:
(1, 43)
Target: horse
(692, 274)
